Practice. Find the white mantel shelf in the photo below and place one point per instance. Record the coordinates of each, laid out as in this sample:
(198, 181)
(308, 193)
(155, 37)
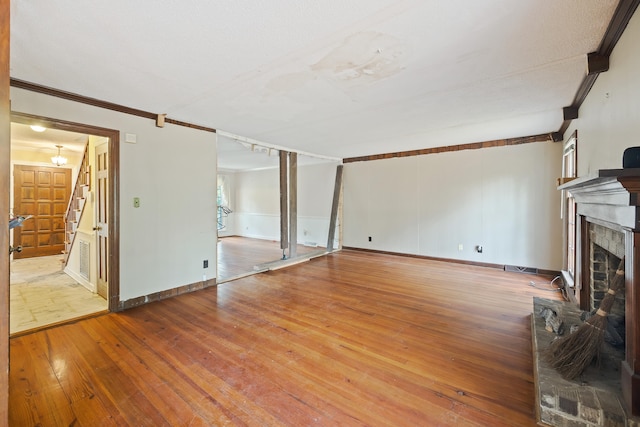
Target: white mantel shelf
(608, 195)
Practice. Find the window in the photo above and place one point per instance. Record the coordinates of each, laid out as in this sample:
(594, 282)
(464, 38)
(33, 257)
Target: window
(569, 203)
(222, 202)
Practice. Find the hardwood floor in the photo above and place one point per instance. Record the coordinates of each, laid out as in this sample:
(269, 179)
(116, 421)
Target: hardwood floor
(238, 256)
(348, 339)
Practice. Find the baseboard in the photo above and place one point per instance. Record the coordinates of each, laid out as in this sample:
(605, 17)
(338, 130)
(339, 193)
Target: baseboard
(431, 258)
(157, 296)
(84, 282)
(538, 271)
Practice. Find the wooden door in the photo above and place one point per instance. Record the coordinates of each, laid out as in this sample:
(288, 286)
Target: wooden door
(42, 192)
(102, 220)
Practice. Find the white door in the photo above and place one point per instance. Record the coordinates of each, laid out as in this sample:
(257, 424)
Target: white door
(102, 223)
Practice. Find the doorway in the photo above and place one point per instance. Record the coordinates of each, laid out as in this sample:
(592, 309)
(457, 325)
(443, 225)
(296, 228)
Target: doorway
(249, 208)
(87, 238)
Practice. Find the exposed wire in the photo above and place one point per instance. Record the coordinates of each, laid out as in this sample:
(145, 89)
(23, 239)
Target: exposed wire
(550, 288)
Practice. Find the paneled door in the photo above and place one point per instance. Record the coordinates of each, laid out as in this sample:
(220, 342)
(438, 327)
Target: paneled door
(42, 192)
(102, 220)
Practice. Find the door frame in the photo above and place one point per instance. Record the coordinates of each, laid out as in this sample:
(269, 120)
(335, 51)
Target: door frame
(112, 191)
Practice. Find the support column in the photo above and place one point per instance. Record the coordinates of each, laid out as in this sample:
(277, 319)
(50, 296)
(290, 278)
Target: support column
(284, 203)
(337, 189)
(293, 205)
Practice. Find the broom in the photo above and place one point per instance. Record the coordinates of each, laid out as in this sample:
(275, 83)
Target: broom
(570, 355)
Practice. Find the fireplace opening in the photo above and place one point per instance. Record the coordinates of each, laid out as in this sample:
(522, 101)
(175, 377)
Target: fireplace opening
(602, 270)
(605, 252)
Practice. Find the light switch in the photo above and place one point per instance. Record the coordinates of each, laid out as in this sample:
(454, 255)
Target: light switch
(136, 202)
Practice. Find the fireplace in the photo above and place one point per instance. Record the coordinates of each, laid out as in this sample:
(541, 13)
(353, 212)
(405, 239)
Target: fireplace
(606, 249)
(608, 208)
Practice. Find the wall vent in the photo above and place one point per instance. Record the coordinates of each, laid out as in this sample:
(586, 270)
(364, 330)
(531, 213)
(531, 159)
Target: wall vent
(84, 258)
(516, 269)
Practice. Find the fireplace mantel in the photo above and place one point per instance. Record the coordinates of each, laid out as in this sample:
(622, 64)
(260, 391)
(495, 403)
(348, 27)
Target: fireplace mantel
(610, 197)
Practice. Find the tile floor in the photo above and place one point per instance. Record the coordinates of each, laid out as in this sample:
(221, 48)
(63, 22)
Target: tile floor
(42, 294)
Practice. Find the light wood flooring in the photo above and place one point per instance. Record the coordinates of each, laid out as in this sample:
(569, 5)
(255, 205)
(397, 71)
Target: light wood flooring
(241, 256)
(42, 294)
(348, 339)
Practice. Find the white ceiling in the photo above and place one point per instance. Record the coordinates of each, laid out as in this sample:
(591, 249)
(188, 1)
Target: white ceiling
(337, 78)
(23, 137)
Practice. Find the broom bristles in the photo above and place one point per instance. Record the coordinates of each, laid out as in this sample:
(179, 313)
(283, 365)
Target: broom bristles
(571, 354)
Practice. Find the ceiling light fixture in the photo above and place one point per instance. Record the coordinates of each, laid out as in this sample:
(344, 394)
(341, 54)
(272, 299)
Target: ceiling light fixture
(59, 160)
(37, 128)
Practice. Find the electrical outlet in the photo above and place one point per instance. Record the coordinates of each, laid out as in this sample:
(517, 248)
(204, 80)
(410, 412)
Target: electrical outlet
(136, 202)
(460, 247)
(205, 263)
(369, 238)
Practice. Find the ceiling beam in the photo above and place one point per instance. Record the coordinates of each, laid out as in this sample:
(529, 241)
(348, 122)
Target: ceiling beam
(597, 64)
(570, 113)
(545, 137)
(596, 60)
(70, 96)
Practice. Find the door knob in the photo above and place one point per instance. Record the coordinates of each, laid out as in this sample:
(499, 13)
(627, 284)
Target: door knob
(97, 228)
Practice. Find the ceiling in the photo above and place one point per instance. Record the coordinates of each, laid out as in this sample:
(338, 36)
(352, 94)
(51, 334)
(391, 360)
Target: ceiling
(334, 78)
(25, 138)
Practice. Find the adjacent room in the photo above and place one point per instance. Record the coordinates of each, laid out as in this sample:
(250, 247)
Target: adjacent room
(52, 277)
(248, 208)
(380, 212)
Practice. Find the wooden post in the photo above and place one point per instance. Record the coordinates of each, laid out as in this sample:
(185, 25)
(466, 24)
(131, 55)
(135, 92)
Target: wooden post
(293, 204)
(582, 279)
(284, 200)
(630, 378)
(5, 165)
(334, 208)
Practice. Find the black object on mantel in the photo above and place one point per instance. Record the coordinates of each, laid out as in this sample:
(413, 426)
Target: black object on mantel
(631, 158)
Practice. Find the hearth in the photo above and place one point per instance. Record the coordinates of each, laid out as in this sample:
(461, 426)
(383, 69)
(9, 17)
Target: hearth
(608, 225)
(593, 399)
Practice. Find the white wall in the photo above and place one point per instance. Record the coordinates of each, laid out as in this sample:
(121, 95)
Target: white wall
(173, 172)
(257, 203)
(609, 118)
(502, 198)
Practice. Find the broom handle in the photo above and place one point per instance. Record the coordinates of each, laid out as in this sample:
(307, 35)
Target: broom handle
(618, 281)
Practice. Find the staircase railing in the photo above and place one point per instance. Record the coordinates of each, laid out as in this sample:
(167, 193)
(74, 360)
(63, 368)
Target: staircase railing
(76, 203)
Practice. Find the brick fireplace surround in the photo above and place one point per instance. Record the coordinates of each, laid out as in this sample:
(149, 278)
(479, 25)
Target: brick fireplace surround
(611, 198)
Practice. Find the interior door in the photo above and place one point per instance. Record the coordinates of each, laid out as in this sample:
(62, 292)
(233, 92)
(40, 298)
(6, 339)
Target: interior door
(42, 192)
(102, 225)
